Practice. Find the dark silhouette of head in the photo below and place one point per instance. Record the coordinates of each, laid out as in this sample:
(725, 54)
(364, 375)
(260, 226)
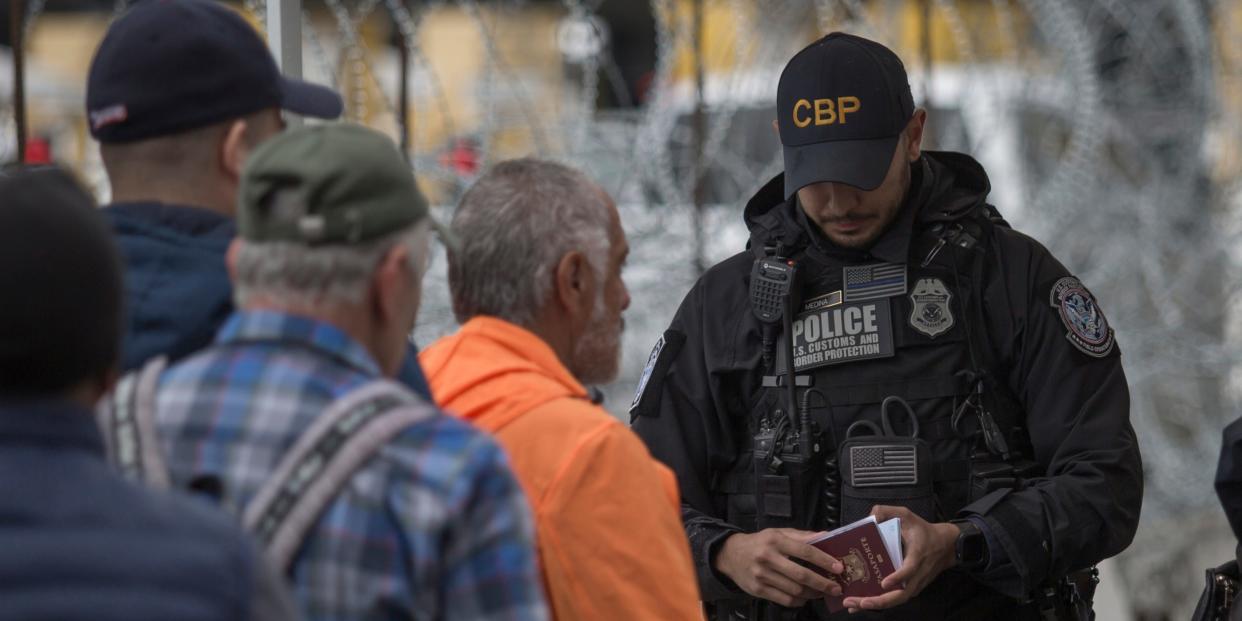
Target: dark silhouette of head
(60, 288)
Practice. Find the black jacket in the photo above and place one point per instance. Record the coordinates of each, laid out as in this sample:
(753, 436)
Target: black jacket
(80, 542)
(695, 410)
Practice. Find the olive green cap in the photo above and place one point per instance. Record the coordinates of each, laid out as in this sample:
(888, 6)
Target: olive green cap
(337, 183)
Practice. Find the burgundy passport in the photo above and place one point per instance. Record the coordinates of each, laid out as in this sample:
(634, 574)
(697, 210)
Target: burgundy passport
(863, 552)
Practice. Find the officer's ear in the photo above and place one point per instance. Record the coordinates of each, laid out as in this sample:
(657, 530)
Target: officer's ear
(914, 134)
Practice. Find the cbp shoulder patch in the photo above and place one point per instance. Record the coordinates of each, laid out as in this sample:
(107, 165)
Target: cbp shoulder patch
(647, 397)
(1088, 328)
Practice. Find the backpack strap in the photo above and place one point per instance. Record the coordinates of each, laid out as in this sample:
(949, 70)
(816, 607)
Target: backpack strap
(310, 474)
(127, 419)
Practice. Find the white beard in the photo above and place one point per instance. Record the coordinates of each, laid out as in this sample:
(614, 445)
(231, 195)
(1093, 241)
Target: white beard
(597, 355)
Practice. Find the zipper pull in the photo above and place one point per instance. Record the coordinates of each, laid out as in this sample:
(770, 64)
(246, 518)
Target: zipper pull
(934, 251)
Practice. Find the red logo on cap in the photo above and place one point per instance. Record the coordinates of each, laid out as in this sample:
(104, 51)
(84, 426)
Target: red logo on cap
(111, 115)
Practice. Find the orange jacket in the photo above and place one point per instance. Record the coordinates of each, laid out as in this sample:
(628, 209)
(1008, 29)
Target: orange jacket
(607, 513)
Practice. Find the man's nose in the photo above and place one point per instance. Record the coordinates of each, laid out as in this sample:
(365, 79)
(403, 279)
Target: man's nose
(841, 197)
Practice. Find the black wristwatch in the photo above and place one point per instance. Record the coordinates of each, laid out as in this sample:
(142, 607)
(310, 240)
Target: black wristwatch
(972, 546)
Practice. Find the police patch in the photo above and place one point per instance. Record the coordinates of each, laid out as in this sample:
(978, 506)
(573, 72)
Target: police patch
(1088, 329)
(931, 314)
(652, 380)
(831, 332)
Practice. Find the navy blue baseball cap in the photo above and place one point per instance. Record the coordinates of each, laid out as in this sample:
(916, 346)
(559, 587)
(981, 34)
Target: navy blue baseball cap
(842, 103)
(167, 66)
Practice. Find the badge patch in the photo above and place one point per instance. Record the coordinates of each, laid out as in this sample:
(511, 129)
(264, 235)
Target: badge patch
(869, 282)
(646, 377)
(1088, 329)
(931, 314)
(842, 333)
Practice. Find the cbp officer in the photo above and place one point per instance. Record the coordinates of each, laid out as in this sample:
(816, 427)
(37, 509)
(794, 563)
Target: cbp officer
(946, 370)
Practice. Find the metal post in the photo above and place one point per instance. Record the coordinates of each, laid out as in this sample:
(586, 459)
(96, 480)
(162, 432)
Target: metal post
(403, 96)
(17, 26)
(700, 130)
(926, 36)
(284, 37)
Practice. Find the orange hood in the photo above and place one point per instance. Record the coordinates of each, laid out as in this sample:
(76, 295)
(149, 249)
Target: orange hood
(491, 371)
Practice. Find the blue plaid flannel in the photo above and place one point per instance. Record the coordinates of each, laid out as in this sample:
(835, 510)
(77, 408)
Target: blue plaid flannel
(434, 527)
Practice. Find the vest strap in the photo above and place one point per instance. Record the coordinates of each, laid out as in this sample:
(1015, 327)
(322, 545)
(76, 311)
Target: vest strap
(942, 386)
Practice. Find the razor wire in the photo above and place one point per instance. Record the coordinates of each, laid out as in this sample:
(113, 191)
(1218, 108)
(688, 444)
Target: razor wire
(1087, 146)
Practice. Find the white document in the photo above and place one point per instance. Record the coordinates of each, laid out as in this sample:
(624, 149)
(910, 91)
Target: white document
(890, 532)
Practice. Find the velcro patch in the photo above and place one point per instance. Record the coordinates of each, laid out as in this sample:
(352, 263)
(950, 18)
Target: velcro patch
(1088, 328)
(647, 397)
(843, 333)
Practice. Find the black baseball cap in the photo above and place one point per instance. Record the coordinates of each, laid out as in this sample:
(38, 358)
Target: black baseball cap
(168, 66)
(842, 103)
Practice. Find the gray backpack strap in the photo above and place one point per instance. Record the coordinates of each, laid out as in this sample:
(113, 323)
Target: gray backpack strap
(322, 460)
(127, 420)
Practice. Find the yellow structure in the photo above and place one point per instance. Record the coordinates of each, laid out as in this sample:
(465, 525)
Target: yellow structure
(492, 72)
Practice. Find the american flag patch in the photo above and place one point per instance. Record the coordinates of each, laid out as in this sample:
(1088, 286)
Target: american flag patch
(868, 282)
(882, 465)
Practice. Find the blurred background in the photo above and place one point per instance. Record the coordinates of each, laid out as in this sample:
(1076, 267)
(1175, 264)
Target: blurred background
(1111, 130)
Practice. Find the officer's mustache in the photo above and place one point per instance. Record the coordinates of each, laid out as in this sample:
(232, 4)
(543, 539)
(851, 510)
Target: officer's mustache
(850, 217)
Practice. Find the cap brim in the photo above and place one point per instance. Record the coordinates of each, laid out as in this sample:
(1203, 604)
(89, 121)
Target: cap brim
(311, 100)
(860, 163)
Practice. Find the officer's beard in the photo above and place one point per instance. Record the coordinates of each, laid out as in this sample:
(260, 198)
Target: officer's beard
(597, 355)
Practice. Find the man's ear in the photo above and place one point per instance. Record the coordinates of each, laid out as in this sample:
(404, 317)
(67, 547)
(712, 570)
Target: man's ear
(914, 134)
(387, 282)
(776, 127)
(230, 258)
(575, 284)
(234, 149)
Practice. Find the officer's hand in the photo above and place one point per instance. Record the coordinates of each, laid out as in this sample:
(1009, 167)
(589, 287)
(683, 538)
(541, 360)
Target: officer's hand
(760, 564)
(929, 550)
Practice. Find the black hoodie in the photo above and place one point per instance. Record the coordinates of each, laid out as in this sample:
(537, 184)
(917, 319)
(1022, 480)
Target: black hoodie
(695, 410)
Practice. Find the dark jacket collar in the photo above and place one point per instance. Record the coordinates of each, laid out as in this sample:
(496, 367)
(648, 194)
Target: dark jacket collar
(185, 219)
(944, 186)
(51, 423)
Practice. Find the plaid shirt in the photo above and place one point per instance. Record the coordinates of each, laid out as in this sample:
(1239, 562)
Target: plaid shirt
(433, 527)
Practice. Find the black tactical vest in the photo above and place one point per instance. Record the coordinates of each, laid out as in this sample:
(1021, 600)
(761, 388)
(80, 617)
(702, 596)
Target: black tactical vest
(940, 365)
